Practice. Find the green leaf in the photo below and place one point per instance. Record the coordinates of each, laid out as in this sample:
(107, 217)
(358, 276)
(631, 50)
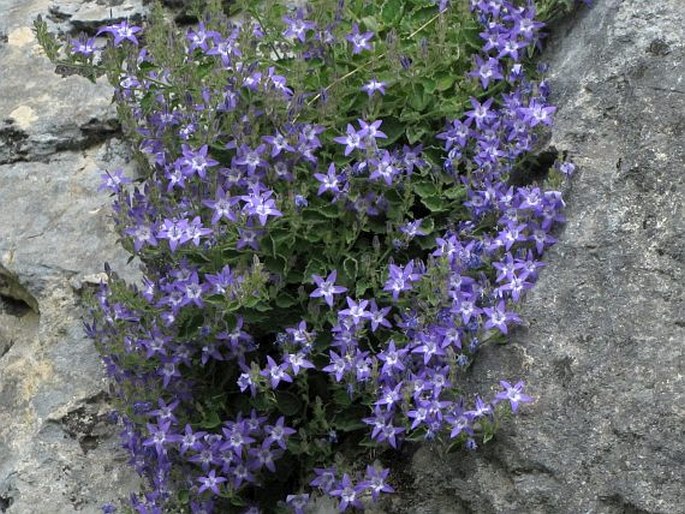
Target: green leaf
(314, 267)
(455, 193)
(348, 423)
(276, 264)
(351, 267)
(288, 403)
(326, 210)
(311, 234)
(444, 82)
(391, 12)
(434, 203)
(415, 134)
(341, 398)
(211, 420)
(428, 85)
(394, 129)
(371, 23)
(425, 189)
(294, 277)
(285, 300)
(418, 99)
(360, 287)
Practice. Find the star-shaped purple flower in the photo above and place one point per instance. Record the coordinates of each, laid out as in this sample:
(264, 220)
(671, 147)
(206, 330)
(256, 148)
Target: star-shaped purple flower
(353, 140)
(327, 288)
(360, 41)
(121, 31)
(514, 394)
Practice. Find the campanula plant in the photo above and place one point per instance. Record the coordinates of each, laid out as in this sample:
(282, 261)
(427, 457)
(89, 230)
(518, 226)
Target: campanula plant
(328, 233)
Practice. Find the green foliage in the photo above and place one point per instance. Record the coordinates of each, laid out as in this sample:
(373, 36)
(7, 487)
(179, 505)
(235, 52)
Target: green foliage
(423, 57)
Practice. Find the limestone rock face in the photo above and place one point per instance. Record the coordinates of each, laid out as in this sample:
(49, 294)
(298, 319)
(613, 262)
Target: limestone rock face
(604, 350)
(58, 454)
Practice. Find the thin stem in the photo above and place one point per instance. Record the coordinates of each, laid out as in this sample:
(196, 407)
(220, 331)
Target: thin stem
(253, 12)
(381, 56)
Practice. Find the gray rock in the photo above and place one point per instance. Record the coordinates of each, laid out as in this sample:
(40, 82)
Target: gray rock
(83, 16)
(58, 453)
(41, 113)
(603, 352)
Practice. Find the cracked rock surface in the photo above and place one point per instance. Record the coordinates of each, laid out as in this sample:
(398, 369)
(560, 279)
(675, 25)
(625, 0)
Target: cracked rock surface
(602, 352)
(604, 349)
(58, 453)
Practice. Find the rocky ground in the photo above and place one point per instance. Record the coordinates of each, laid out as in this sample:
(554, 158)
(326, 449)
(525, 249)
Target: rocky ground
(602, 352)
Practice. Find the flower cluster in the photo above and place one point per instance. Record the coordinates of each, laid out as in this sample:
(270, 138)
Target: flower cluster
(313, 280)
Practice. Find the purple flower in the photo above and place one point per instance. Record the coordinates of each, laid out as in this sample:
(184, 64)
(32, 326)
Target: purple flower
(248, 237)
(429, 344)
(277, 434)
(278, 143)
(211, 482)
(392, 359)
(487, 71)
(83, 45)
(142, 234)
(348, 493)
(460, 421)
(481, 409)
(297, 361)
(324, 480)
(375, 481)
(400, 279)
(327, 288)
(389, 433)
(370, 130)
(412, 229)
(538, 112)
(329, 182)
(378, 316)
(174, 231)
(113, 181)
(222, 206)
(300, 335)
(160, 437)
(567, 168)
(195, 231)
(191, 440)
(354, 140)
(384, 168)
(121, 31)
(360, 42)
(260, 205)
(498, 317)
(298, 502)
(276, 372)
(509, 47)
(356, 312)
(195, 162)
(374, 85)
(245, 382)
(297, 27)
(263, 458)
(236, 438)
(222, 281)
(481, 113)
(338, 366)
(249, 158)
(200, 38)
(514, 394)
